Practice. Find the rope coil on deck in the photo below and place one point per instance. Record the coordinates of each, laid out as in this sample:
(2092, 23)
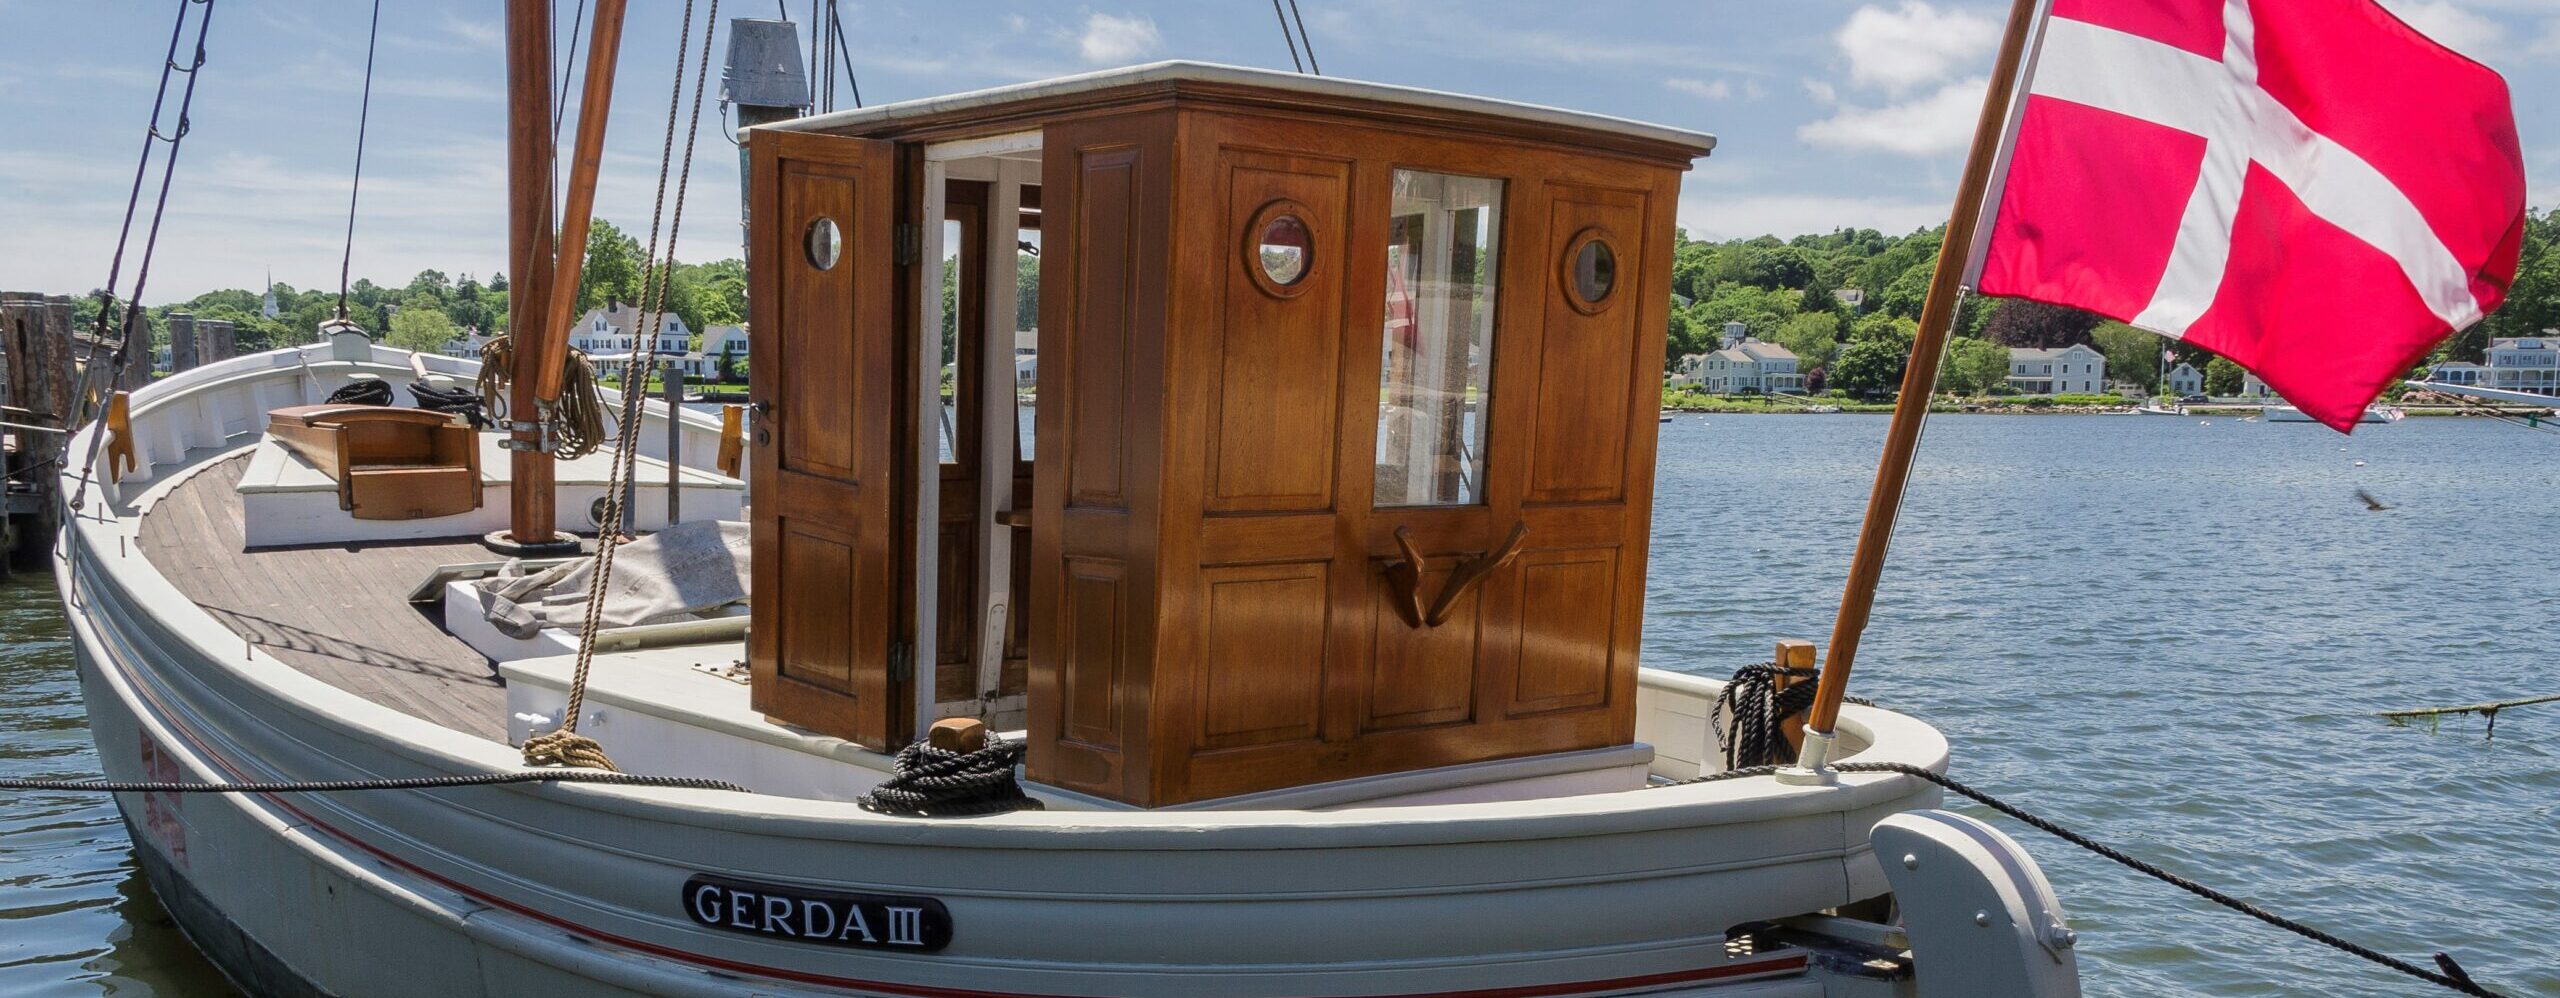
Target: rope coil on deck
(941, 783)
(2448, 975)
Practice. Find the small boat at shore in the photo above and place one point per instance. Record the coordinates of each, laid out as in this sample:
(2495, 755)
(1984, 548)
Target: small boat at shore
(2280, 412)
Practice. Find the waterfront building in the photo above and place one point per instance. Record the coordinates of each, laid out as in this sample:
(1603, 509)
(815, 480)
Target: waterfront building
(1743, 364)
(2252, 387)
(1026, 358)
(2524, 363)
(727, 340)
(466, 346)
(2455, 372)
(1852, 299)
(2076, 368)
(608, 336)
(2184, 379)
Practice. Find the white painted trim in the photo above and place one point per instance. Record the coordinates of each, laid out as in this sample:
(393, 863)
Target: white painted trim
(997, 413)
(1008, 144)
(1203, 72)
(928, 443)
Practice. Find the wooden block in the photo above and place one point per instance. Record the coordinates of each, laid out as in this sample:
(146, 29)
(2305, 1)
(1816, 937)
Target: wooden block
(957, 734)
(1793, 653)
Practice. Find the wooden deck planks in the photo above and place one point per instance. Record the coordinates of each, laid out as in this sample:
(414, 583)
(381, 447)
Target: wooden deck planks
(338, 613)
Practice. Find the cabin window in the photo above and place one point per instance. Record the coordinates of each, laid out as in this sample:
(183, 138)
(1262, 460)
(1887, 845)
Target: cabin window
(1283, 250)
(1437, 354)
(824, 243)
(1591, 269)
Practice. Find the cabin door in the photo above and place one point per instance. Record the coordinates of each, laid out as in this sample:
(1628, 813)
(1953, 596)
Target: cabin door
(823, 364)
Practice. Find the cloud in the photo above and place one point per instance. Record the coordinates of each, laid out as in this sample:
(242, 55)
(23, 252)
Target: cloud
(1822, 91)
(1711, 90)
(1711, 215)
(1933, 125)
(2458, 29)
(1112, 40)
(477, 34)
(2549, 43)
(1914, 45)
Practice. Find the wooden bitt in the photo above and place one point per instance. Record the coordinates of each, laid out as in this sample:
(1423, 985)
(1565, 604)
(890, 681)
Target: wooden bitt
(1792, 653)
(120, 457)
(733, 439)
(389, 463)
(957, 734)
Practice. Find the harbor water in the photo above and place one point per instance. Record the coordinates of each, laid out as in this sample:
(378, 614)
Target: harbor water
(2172, 633)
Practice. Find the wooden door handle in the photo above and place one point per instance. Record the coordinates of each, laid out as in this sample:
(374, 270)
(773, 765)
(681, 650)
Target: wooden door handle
(1472, 572)
(1406, 578)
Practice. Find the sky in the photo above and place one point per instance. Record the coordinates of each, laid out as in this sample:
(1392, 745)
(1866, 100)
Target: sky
(1830, 113)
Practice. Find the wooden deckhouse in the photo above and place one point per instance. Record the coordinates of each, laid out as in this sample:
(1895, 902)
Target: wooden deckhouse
(1331, 456)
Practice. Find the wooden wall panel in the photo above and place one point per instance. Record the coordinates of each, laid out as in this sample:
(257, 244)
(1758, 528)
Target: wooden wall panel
(1263, 678)
(1097, 602)
(1421, 676)
(818, 306)
(1567, 610)
(1106, 232)
(1579, 453)
(817, 648)
(1279, 348)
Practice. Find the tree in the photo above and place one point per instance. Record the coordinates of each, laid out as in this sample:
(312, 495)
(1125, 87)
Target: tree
(2132, 355)
(2034, 324)
(1761, 310)
(1774, 267)
(1868, 368)
(1683, 337)
(2222, 377)
(1973, 366)
(1814, 337)
(420, 327)
(612, 270)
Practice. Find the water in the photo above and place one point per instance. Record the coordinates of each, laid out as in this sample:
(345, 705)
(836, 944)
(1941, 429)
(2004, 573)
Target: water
(2169, 632)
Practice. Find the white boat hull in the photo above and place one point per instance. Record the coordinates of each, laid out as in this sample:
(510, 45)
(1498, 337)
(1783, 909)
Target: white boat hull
(583, 890)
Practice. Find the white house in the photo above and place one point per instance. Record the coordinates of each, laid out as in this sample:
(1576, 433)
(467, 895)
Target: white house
(2251, 387)
(1852, 299)
(2078, 368)
(1743, 364)
(1026, 358)
(466, 346)
(2184, 379)
(606, 336)
(2524, 363)
(729, 340)
(2455, 372)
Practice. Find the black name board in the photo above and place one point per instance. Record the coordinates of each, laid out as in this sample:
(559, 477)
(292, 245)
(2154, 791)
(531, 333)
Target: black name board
(869, 921)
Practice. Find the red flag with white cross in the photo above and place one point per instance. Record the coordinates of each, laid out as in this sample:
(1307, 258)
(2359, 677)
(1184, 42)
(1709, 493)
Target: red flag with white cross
(2308, 187)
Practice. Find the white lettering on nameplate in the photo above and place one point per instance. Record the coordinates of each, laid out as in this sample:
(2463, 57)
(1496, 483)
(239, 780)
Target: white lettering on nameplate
(869, 921)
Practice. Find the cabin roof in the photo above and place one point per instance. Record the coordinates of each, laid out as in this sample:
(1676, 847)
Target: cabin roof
(1181, 71)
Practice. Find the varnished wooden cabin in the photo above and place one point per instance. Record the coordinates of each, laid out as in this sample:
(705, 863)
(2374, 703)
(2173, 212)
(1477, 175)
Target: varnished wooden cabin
(1331, 455)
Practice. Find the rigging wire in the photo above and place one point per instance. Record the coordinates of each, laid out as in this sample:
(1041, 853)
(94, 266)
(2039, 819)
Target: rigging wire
(1285, 37)
(355, 184)
(844, 53)
(564, 745)
(1303, 40)
(142, 275)
(560, 102)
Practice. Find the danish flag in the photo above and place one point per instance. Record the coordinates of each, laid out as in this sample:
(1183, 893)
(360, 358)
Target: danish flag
(2308, 187)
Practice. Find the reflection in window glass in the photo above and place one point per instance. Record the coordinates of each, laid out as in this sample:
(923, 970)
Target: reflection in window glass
(1026, 338)
(1434, 382)
(951, 277)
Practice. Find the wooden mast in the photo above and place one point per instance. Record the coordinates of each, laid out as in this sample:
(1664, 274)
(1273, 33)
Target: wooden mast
(596, 99)
(1919, 383)
(530, 512)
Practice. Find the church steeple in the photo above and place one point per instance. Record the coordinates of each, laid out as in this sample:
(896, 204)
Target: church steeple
(267, 307)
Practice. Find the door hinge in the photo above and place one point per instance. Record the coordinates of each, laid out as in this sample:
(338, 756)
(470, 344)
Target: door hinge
(902, 662)
(910, 239)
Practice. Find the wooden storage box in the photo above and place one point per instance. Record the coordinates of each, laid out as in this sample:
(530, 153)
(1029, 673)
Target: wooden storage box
(390, 463)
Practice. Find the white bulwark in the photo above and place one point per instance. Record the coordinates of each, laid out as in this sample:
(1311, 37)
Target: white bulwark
(2076, 368)
(2523, 364)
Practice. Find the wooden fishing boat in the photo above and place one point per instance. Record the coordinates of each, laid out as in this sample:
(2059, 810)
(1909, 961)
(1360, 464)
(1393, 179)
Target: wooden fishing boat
(1314, 596)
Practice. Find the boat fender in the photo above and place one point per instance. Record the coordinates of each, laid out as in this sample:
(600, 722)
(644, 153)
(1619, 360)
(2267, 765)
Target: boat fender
(1981, 917)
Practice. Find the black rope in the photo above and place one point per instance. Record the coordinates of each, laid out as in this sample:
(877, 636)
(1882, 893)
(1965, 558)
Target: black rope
(133, 314)
(568, 72)
(1310, 43)
(1756, 705)
(458, 401)
(403, 783)
(355, 185)
(1285, 36)
(2449, 975)
(940, 783)
(362, 391)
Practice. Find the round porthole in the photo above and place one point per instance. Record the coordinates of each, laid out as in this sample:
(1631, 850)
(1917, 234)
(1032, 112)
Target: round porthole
(1590, 270)
(1280, 250)
(824, 243)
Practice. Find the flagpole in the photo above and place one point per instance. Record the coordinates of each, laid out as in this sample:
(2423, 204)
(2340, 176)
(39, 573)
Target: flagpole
(1911, 408)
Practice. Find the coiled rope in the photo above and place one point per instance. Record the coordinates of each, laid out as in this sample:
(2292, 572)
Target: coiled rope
(452, 401)
(1756, 706)
(564, 745)
(574, 424)
(2447, 975)
(403, 783)
(940, 783)
(362, 391)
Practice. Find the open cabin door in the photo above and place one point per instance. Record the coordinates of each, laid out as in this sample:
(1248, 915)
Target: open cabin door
(823, 361)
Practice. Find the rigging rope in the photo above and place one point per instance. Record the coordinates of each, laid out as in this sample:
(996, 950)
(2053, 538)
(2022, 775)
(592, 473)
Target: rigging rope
(844, 52)
(574, 425)
(400, 783)
(564, 746)
(2447, 975)
(364, 114)
(142, 275)
(1285, 37)
(560, 102)
(1310, 43)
